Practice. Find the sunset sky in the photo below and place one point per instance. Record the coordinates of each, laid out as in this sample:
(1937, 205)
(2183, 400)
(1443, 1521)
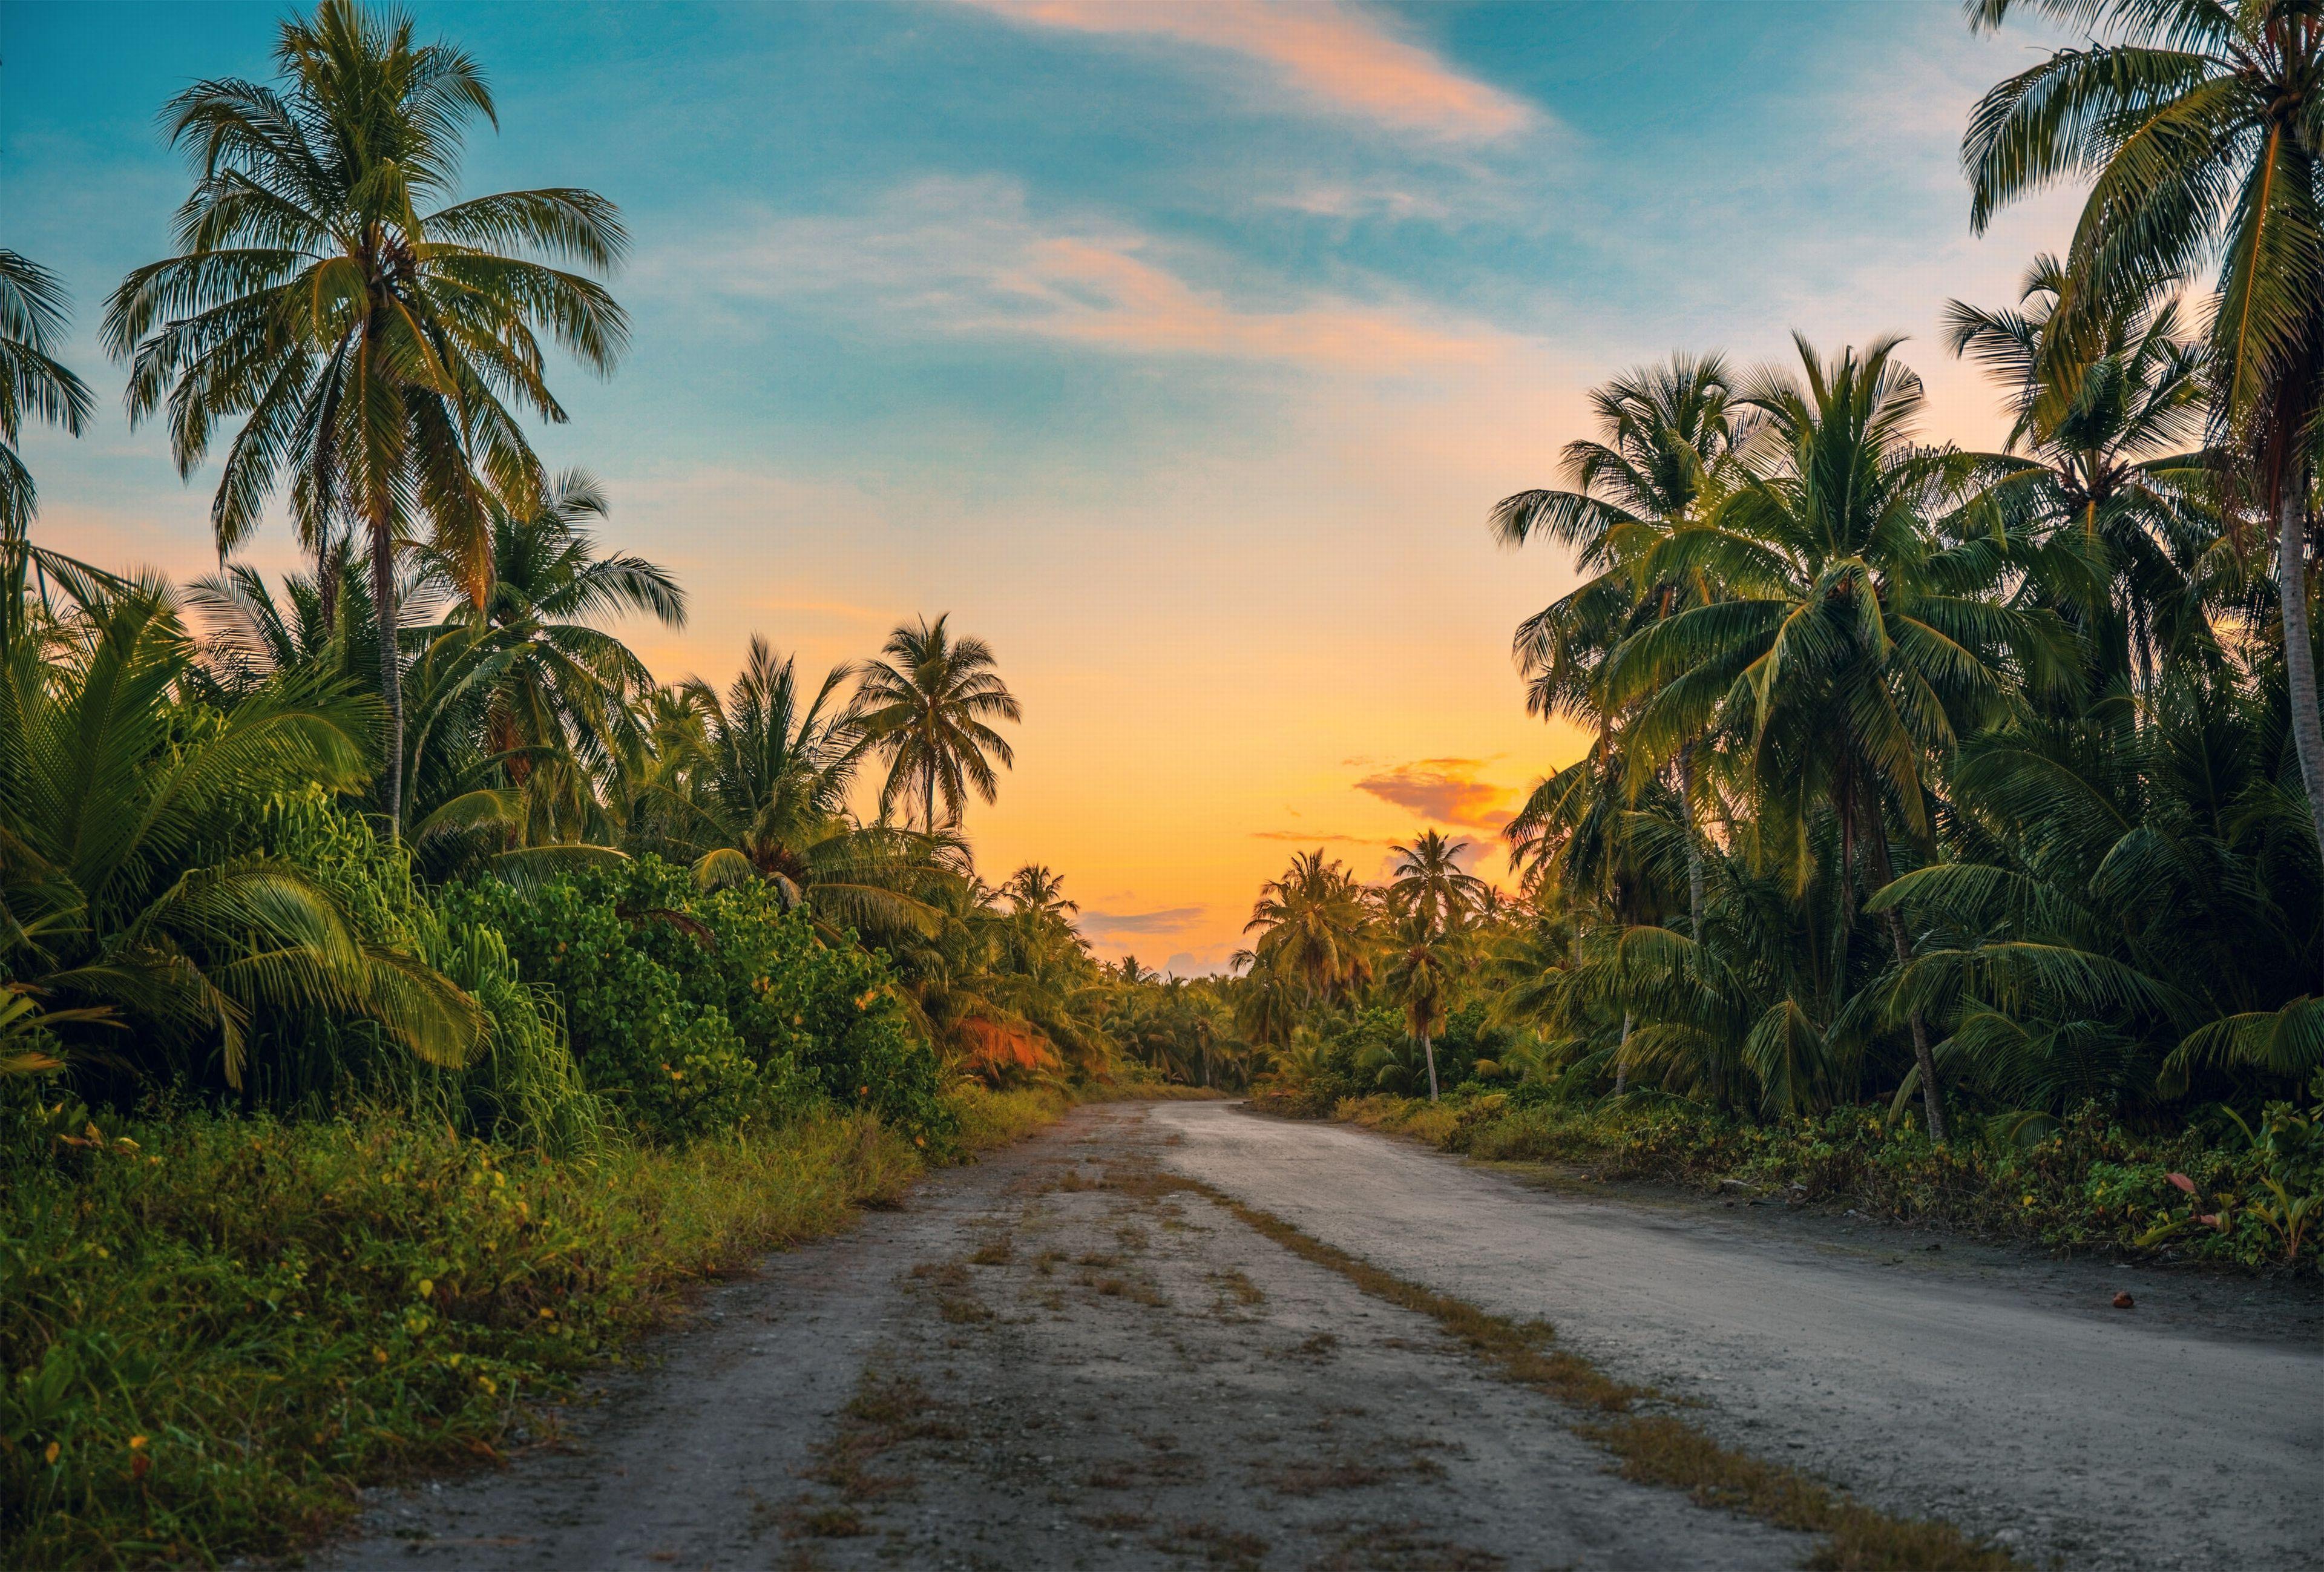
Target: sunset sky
(1177, 350)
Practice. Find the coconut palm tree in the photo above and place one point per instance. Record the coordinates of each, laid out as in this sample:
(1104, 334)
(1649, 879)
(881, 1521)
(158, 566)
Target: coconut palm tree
(1851, 643)
(1314, 925)
(927, 708)
(768, 796)
(543, 693)
(376, 349)
(1668, 438)
(2202, 134)
(1427, 878)
(2095, 475)
(1419, 978)
(32, 308)
(1037, 888)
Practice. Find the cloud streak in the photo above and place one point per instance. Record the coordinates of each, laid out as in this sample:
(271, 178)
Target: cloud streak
(1316, 837)
(1167, 920)
(1338, 57)
(963, 256)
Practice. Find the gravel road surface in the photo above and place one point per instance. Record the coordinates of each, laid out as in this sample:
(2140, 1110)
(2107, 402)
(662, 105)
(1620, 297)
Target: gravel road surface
(1019, 1369)
(1997, 1389)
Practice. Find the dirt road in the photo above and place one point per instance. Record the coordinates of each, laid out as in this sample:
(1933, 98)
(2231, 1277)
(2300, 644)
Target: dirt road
(1019, 1369)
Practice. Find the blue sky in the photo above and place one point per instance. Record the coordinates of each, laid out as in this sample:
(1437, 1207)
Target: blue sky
(1179, 350)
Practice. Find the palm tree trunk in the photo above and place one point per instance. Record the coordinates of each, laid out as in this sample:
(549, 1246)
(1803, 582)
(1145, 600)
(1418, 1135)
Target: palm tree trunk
(390, 672)
(1923, 1058)
(2299, 649)
(1693, 843)
(1428, 1050)
(1622, 1058)
(327, 585)
(928, 813)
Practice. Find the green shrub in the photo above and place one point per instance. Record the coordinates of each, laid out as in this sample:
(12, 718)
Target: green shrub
(523, 1087)
(694, 1011)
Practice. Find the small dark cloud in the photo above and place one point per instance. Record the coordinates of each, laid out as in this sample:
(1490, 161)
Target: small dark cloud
(1168, 920)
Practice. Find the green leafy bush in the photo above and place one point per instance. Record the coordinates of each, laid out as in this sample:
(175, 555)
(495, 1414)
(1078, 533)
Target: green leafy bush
(523, 1087)
(694, 1011)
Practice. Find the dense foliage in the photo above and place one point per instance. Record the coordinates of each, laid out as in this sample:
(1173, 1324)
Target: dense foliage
(1974, 795)
(403, 994)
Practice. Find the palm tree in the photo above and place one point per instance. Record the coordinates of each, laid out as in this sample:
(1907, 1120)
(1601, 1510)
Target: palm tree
(1419, 978)
(2094, 472)
(768, 798)
(1037, 888)
(1314, 926)
(374, 347)
(2200, 134)
(926, 708)
(1669, 438)
(1851, 642)
(544, 694)
(250, 635)
(1427, 878)
(33, 308)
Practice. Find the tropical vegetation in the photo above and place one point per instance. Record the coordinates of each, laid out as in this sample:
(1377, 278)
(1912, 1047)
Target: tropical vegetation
(403, 992)
(1961, 811)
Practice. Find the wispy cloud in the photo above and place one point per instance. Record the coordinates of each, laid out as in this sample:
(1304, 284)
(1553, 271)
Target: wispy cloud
(1316, 837)
(1337, 57)
(1099, 925)
(1442, 791)
(964, 257)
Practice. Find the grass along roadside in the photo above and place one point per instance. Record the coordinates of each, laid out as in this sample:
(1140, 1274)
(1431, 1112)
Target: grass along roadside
(1651, 1443)
(2242, 1198)
(218, 1330)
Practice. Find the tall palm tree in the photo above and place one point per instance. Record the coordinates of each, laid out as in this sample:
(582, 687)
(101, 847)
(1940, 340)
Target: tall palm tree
(2094, 472)
(2202, 132)
(926, 708)
(1427, 878)
(33, 308)
(1853, 643)
(1315, 926)
(1669, 437)
(1419, 978)
(375, 349)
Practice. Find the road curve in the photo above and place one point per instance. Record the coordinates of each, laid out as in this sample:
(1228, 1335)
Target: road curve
(1988, 1387)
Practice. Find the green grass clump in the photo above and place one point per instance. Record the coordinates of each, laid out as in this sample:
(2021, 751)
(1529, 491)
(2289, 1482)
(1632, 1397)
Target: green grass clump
(218, 1327)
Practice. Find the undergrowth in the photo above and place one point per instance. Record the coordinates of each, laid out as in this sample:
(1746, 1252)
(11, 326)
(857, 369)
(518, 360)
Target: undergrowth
(216, 1328)
(2245, 1196)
